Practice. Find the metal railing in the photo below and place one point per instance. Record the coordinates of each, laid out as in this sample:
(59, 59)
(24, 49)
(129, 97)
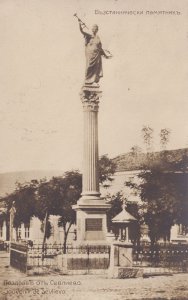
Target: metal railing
(173, 257)
(78, 258)
(46, 260)
(89, 257)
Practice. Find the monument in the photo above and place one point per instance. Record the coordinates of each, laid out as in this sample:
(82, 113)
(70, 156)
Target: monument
(91, 208)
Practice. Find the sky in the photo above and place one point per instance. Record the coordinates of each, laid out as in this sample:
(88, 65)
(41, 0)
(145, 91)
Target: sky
(42, 65)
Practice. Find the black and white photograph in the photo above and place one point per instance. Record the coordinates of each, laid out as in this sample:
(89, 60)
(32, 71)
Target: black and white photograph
(94, 150)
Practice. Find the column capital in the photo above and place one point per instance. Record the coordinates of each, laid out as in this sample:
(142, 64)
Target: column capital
(90, 98)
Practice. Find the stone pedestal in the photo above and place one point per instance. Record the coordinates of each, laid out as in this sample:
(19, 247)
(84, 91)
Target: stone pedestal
(121, 255)
(121, 261)
(91, 208)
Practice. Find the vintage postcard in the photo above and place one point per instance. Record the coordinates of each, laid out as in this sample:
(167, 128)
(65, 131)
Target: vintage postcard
(94, 149)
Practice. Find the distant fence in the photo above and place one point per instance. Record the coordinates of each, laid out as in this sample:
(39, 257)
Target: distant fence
(174, 257)
(2, 245)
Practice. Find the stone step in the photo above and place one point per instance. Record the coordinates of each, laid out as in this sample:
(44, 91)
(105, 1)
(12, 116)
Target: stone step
(150, 272)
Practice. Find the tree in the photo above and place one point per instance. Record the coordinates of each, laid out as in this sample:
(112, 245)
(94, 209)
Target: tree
(46, 203)
(4, 216)
(23, 199)
(116, 202)
(72, 183)
(147, 133)
(56, 197)
(163, 187)
(107, 169)
(164, 137)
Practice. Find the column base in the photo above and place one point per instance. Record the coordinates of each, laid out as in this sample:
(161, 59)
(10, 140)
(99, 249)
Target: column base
(91, 219)
(91, 202)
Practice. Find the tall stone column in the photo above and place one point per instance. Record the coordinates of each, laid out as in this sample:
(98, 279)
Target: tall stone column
(91, 208)
(90, 152)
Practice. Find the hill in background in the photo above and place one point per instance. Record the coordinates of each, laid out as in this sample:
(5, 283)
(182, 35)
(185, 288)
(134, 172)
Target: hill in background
(8, 180)
(134, 161)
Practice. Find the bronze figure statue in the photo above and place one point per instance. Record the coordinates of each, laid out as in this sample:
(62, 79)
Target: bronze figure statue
(94, 53)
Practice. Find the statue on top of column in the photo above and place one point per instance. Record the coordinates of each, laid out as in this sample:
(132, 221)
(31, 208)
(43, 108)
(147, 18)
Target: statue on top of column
(94, 53)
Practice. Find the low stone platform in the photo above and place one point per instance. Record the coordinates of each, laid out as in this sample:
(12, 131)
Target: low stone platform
(126, 272)
(150, 272)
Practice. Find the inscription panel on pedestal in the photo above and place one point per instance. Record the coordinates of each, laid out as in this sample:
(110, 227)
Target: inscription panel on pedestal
(94, 224)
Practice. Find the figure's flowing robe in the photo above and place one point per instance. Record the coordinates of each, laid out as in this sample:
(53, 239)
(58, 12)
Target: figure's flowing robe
(93, 51)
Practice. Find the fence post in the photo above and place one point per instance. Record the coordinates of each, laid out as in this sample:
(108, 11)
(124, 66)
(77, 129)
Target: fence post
(26, 257)
(64, 261)
(88, 259)
(111, 261)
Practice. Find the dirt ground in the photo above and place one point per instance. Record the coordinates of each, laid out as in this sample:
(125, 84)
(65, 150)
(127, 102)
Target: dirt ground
(16, 285)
